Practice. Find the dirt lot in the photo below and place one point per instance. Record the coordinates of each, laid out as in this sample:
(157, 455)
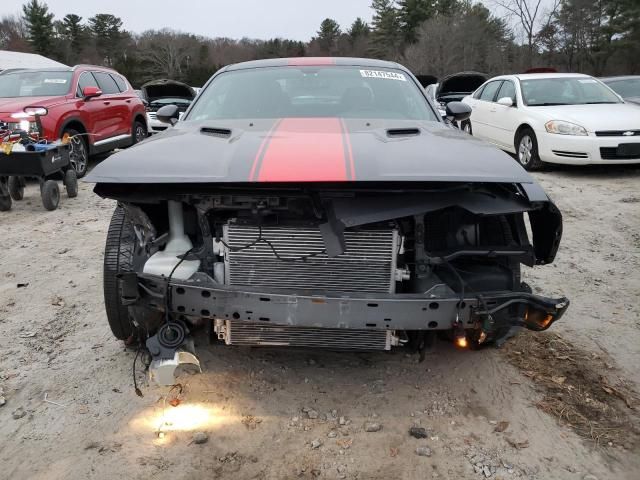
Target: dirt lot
(290, 414)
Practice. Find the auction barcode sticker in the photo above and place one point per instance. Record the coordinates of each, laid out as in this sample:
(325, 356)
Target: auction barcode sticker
(383, 74)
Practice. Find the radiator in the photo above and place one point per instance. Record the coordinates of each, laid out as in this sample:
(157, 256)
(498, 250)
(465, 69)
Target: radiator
(238, 332)
(368, 264)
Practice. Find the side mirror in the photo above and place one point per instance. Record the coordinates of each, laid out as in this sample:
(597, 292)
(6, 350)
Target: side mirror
(457, 111)
(506, 101)
(168, 114)
(91, 92)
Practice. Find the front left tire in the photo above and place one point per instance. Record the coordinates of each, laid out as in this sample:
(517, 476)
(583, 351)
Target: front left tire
(527, 150)
(79, 154)
(118, 257)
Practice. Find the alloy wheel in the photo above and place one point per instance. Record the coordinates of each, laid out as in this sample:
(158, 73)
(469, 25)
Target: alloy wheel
(141, 133)
(525, 150)
(78, 155)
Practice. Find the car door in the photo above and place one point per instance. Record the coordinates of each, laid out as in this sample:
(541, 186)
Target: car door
(92, 111)
(504, 119)
(481, 110)
(114, 106)
(129, 100)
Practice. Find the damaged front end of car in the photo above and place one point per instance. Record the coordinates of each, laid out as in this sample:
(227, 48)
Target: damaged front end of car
(335, 265)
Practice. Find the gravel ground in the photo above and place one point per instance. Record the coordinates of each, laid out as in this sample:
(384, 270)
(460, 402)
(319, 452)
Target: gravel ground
(70, 410)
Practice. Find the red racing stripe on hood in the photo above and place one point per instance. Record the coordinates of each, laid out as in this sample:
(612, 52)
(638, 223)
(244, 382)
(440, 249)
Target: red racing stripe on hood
(305, 150)
(351, 169)
(257, 162)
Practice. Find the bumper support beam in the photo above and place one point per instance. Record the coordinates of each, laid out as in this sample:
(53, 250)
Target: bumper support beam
(435, 310)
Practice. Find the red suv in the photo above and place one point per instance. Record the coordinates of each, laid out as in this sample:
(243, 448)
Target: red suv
(96, 102)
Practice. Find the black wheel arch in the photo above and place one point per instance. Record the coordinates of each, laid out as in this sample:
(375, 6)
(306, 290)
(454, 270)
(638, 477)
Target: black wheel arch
(76, 124)
(519, 130)
(139, 118)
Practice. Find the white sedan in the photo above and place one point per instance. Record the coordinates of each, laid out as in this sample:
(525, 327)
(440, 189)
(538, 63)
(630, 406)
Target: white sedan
(556, 118)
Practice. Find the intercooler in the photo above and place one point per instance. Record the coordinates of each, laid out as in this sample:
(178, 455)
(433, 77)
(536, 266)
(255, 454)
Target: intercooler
(368, 264)
(238, 332)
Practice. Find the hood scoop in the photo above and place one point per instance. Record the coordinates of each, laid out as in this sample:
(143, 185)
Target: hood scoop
(403, 132)
(216, 132)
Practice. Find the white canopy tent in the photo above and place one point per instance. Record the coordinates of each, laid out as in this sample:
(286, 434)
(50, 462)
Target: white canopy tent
(25, 60)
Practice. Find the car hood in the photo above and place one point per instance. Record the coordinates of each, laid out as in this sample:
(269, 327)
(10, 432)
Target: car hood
(606, 116)
(309, 150)
(17, 104)
(166, 88)
(460, 83)
(426, 80)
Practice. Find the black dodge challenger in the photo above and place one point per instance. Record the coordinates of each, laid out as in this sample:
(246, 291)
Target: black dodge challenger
(320, 202)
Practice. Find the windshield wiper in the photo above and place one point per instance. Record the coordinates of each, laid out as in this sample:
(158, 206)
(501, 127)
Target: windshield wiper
(596, 103)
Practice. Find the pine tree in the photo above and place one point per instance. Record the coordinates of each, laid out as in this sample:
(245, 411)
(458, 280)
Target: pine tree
(74, 31)
(106, 29)
(412, 14)
(386, 33)
(359, 28)
(39, 26)
(450, 7)
(328, 36)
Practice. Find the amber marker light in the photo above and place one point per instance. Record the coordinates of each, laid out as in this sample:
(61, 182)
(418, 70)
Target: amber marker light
(461, 342)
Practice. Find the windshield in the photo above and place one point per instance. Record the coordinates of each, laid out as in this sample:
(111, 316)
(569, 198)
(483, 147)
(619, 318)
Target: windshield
(332, 91)
(565, 91)
(34, 83)
(629, 87)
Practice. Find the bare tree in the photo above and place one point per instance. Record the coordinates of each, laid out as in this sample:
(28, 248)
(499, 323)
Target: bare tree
(471, 40)
(13, 34)
(532, 17)
(166, 52)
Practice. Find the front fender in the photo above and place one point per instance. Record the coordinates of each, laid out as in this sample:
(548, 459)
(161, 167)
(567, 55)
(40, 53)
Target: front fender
(546, 226)
(546, 223)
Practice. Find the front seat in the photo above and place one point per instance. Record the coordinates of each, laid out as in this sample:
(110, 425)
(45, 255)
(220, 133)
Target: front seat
(356, 99)
(246, 101)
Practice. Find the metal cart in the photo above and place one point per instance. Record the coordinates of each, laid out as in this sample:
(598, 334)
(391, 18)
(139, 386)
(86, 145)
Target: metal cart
(47, 166)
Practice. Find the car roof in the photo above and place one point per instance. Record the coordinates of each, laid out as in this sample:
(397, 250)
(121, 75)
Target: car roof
(39, 69)
(620, 77)
(83, 66)
(59, 69)
(533, 76)
(314, 62)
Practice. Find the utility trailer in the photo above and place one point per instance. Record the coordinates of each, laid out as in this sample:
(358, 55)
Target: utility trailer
(46, 165)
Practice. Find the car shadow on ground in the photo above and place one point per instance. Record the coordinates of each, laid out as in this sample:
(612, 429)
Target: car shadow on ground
(589, 171)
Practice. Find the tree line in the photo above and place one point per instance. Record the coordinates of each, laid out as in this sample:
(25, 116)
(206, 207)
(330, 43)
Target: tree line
(431, 37)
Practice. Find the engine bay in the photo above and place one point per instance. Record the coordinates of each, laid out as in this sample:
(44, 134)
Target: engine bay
(325, 267)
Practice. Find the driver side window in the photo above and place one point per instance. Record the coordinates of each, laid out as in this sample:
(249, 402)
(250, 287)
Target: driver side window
(508, 89)
(86, 80)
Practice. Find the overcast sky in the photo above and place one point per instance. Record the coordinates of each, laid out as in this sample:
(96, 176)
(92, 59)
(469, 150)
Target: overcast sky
(295, 19)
